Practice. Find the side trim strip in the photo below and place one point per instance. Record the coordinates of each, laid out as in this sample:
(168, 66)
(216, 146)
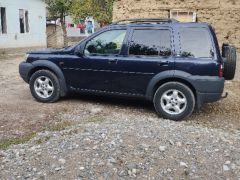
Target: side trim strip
(106, 92)
(100, 70)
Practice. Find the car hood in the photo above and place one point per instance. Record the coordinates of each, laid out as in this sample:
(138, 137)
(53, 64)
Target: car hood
(52, 50)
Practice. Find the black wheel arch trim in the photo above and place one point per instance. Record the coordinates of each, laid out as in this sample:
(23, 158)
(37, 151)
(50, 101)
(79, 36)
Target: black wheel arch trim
(55, 69)
(199, 84)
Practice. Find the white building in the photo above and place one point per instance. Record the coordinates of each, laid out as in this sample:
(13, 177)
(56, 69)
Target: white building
(22, 23)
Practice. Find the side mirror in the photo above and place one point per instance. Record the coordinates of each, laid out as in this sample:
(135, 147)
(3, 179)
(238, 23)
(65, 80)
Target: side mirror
(79, 50)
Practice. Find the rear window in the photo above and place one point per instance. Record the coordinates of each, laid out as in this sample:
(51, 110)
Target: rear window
(150, 42)
(196, 42)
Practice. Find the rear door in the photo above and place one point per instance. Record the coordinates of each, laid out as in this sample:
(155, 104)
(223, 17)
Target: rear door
(197, 53)
(147, 53)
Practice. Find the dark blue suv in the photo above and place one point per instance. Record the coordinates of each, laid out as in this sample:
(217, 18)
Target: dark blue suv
(177, 66)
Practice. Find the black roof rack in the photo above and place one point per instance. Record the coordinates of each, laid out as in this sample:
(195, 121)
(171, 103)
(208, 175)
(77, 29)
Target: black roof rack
(146, 20)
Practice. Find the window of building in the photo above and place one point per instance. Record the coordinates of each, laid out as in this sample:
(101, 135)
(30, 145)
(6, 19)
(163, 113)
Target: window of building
(109, 42)
(3, 25)
(150, 42)
(184, 15)
(24, 21)
(196, 42)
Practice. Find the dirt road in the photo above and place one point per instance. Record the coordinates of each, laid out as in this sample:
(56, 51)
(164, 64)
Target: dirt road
(21, 114)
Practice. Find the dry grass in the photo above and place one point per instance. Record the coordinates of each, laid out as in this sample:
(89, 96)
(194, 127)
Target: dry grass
(5, 143)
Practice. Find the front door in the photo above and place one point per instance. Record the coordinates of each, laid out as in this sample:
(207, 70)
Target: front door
(93, 71)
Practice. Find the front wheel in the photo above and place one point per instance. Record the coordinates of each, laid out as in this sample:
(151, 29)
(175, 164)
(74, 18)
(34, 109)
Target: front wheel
(174, 101)
(44, 86)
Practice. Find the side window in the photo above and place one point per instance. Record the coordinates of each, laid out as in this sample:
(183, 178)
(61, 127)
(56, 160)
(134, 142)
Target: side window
(109, 42)
(23, 21)
(151, 42)
(3, 21)
(196, 42)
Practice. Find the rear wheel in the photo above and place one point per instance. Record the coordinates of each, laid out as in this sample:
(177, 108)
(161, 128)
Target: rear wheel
(44, 86)
(174, 101)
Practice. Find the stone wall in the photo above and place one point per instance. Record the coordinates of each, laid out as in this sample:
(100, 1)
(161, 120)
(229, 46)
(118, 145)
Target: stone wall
(223, 15)
(55, 37)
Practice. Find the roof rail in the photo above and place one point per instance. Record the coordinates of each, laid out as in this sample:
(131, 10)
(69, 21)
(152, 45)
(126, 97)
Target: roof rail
(146, 20)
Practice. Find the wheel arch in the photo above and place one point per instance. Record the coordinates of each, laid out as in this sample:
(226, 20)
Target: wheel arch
(48, 65)
(161, 79)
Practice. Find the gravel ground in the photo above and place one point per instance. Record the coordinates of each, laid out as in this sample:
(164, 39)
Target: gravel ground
(102, 138)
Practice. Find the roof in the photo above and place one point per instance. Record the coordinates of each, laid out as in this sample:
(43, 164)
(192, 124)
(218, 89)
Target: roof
(156, 21)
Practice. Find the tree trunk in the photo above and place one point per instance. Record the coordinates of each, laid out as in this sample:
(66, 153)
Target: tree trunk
(64, 30)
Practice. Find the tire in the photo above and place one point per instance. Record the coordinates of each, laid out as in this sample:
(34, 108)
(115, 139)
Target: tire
(230, 57)
(176, 93)
(44, 86)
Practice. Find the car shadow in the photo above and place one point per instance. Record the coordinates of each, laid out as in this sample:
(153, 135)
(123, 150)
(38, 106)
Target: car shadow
(112, 101)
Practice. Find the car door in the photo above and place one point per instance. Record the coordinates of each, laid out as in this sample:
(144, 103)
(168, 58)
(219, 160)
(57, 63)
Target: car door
(197, 55)
(148, 53)
(92, 71)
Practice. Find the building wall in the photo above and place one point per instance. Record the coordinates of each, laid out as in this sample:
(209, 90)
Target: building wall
(37, 24)
(224, 15)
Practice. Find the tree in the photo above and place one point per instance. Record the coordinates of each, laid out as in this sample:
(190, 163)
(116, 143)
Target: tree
(59, 9)
(101, 10)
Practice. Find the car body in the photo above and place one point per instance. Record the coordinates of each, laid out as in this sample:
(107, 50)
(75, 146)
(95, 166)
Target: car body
(129, 68)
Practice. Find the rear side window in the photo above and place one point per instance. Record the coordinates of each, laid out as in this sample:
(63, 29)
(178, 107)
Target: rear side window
(196, 42)
(150, 42)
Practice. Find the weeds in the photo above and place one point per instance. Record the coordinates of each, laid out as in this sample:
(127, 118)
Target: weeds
(5, 143)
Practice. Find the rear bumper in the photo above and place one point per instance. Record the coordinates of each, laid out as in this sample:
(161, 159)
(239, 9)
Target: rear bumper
(207, 98)
(24, 69)
(209, 90)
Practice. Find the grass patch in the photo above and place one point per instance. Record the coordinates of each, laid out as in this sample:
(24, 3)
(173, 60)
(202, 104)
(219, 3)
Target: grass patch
(5, 143)
(42, 140)
(59, 126)
(96, 119)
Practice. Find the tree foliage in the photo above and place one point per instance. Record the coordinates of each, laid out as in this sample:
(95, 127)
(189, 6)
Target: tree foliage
(101, 10)
(59, 9)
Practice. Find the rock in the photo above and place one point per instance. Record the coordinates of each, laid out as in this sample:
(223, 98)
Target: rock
(171, 142)
(131, 166)
(96, 110)
(227, 162)
(123, 173)
(134, 171)
(183, 164)
(225, 167)
(179, 144)
(162, 148)
(169, 170)
(112, 160)
(81, 168)
(3, 154)
(233, 166)
(58, 168)
(62, 161)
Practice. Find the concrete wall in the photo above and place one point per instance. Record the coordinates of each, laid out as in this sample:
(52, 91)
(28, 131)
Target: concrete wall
(224, 15)
(37, 24)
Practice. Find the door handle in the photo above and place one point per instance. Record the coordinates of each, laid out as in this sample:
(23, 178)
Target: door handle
(112, 61)
(163, 63)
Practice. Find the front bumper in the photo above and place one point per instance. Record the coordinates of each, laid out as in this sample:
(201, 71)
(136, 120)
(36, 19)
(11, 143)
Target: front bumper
(24, 70)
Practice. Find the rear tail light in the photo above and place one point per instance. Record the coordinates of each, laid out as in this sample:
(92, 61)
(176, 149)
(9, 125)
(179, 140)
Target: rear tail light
(220, 70)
